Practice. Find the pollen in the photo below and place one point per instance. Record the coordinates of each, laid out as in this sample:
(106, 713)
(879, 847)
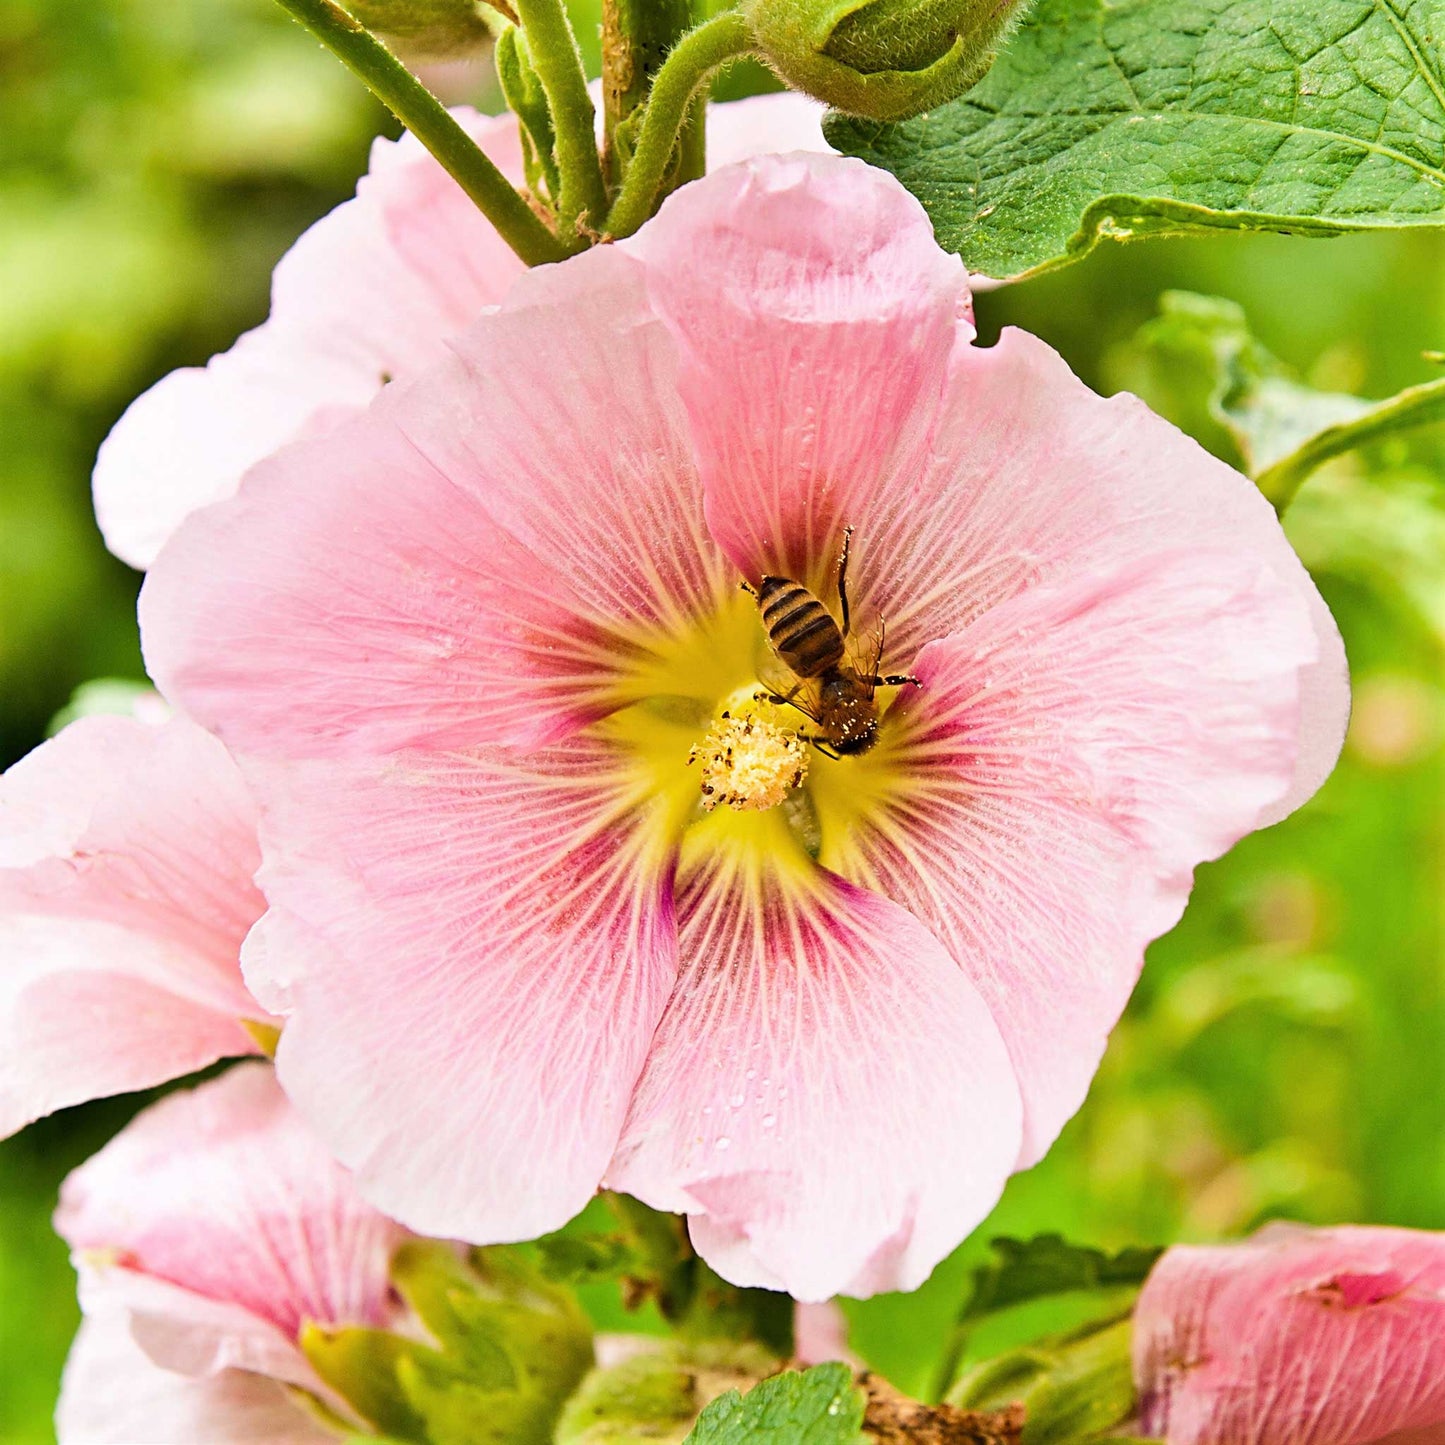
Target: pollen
(750, 759)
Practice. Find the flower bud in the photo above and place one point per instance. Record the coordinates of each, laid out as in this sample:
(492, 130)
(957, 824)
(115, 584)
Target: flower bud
(883, 59)
(426, 29)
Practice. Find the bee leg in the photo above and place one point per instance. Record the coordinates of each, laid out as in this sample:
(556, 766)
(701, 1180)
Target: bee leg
(894, 679)
(750, 590)
(822, 746)
(843, 577)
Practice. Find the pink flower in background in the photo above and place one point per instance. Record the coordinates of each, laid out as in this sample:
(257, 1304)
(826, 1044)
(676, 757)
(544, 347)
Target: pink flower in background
(127, 851)
(1296, 1337)
(372, 291)
(465, 645)
(206, 1234)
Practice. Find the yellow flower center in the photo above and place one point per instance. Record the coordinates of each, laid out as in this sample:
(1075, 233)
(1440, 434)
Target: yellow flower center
(752, 756)
(721, 765)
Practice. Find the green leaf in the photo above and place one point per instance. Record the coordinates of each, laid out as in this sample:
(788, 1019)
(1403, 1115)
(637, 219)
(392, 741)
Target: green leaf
(1047, 1264)
(821, 1406)
(1100, 1286)
(510, 1348)
(649, 1254)
(1198, 363)
(1127, 118)
(1387, 532)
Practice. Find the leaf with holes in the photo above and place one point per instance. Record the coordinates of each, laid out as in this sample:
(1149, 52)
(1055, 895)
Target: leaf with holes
(1136, 117)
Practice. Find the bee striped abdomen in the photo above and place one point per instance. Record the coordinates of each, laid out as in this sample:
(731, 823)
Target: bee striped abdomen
(802, 631)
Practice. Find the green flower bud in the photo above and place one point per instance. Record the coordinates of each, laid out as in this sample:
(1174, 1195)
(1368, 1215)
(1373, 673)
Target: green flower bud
(426, 29)
(883, 59)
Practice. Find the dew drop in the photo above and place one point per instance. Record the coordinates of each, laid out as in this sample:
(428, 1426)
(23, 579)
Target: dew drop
(722, 1142)
(737, 1101)
(769, 1120)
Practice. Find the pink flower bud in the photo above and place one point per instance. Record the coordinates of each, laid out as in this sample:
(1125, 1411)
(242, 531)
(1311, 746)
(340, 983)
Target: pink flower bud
(1296, 1337)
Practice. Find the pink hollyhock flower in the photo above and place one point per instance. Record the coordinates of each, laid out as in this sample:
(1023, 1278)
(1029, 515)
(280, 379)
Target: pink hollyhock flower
(127, 851)
(466, 646)
(206, 1234)
(372, 291)
(1296, 1337)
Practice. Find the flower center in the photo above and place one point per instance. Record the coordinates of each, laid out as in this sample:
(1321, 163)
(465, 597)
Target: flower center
(752, 756)
(721, 764)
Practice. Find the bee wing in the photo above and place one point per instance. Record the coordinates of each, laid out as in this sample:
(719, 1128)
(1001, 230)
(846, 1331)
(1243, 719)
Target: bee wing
(788, 687)
(865, 650)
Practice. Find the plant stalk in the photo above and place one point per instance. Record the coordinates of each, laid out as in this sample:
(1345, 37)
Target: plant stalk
(427, 119)
(636, 36)
(582, 198)
(684, 73)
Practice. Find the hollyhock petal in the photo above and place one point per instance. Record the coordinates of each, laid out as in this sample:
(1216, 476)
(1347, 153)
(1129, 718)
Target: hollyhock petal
(820, 1334)
(222, 1192)
(370, 292)
(1035, 479)
(517, 537)
(1069, 759)
(113, 1394)
(80, 1020)
(827, 1097)
(474, 953)
(1296, 1337)
(814, 313)
(185, 1332)
(130, 849)
(786, 120)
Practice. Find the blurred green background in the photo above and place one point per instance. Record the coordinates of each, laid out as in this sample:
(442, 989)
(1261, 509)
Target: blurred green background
(1285, 1053)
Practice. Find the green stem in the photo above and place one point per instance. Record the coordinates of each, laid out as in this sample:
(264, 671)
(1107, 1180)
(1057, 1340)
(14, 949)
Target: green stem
(636, 36)
(427, 119)
(684, 73)
(582, 203)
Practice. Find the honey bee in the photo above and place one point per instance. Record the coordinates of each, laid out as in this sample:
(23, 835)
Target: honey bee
(829, 687)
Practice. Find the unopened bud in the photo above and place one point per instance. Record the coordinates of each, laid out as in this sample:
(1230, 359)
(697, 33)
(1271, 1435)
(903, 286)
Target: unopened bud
(883, 59)
(426, 29)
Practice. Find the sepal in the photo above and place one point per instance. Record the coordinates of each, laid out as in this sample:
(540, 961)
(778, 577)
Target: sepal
(881, 59)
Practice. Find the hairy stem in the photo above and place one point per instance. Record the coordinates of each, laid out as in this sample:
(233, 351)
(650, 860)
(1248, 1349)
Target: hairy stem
(582, 201)
(427, 119)
(636, 36)
(684, 73)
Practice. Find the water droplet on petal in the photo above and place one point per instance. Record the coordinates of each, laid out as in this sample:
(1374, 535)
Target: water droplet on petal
(722, 1142)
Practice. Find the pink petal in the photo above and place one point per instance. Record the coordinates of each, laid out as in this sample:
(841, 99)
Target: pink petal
(475, 952)
(225, 1193)
(786, 120)
(1035, 479)
(814, 314)
(471, 561)
(827, 1098)
(1296, 1337)
(131, 848)
(820, 1334)
(1072, 755)
(112, 1394)
(371, 291)
(186, 1332)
